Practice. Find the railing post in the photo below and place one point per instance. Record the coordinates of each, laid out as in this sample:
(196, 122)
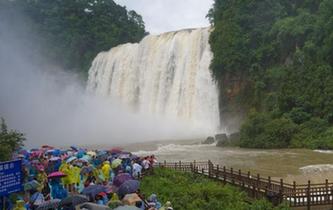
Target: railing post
(209, 169)
(194, 165)
(308, 196)
(281, 190)
(239, 176)
(180, 165)
(217, 171)
(224, 175)
(327, 198)
(175, 166)
(294, 193)
(164, 163)
(232, 176)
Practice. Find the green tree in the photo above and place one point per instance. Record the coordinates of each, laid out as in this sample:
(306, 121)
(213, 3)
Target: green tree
(10, 141)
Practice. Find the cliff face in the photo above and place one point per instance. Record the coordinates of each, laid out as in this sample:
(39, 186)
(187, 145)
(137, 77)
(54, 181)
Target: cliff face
(231, 101)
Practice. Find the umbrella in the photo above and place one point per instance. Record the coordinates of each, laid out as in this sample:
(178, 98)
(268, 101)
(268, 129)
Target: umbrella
(115, 150)
(51, 204)
(128, 187)
(127, 208)
(91, 153)
(115, 163)
(121, 178)
(85, 158)
(93, 206)
(56, 174)
(124, 156)
(93, 190)
(131, 199)
(51, 151)
(70, 159)
(134, 157)
(75, 148)
(73, 200)
(45, 146)
(86, 169)
(31, 185)
(54, 158)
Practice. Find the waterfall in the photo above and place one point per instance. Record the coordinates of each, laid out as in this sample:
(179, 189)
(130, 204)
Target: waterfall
(166, 75)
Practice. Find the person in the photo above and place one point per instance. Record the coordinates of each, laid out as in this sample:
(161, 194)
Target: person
(166, 206)
(106, 168)
(91, 179)
(137, 169)
(36, 199)
(19, 205)
(146, 164)
(154, 202)
(57, 189)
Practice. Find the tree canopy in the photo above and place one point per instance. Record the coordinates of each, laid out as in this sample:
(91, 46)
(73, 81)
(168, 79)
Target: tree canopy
(282, 52)
(71, 33)
(10, 141)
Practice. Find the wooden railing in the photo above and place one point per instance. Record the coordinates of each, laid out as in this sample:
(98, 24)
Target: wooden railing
(260, 187)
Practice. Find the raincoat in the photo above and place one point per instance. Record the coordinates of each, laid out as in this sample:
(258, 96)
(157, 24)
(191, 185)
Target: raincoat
(106, 170)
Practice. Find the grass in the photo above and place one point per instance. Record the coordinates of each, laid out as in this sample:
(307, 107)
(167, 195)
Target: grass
(195, 192)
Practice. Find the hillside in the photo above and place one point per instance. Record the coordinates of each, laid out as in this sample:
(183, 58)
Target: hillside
(71, 33)
(273, 62)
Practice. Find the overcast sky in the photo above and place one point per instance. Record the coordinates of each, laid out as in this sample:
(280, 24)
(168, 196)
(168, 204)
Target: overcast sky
(170, 15)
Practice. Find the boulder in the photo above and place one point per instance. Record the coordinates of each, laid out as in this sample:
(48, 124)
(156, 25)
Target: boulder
(222, 140)
(234, 137)
(209, 140)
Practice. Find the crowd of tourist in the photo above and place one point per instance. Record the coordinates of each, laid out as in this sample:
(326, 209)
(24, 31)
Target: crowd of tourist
(78, 178)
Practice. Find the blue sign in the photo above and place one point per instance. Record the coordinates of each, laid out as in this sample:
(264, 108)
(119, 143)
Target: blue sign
(10, 177)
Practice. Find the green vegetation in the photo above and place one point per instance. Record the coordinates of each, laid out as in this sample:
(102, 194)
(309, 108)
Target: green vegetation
(71, 33)
(274, 59)
(189, 191)
(10, 141)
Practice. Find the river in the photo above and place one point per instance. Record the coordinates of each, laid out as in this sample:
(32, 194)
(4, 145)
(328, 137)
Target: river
(298, 165)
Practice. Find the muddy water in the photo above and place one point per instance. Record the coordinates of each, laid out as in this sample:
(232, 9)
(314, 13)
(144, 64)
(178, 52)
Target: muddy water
(290, 164)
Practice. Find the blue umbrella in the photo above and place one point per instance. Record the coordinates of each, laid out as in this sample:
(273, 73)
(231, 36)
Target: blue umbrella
(121, 178)
(93, 190)
(32, 185)
(128, 187)
(70, 159)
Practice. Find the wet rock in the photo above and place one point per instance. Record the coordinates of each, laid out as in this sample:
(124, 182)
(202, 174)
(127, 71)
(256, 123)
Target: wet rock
(209, 140)
(222, 140)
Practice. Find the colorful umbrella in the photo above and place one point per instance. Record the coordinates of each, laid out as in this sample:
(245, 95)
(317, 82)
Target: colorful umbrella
(57, 174)
(32, 185)
(126, 207)
(51, 204)
(73, 200)
(115, 150)
(128, 187)
(55, 158)
(93, 190)
(91, 153)
(121, 178)
(115, 163)
(70, 159)
(131, 199)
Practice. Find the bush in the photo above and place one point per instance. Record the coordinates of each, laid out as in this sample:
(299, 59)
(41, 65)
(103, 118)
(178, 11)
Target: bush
(195, 192)
(308, 133)
(262, 131)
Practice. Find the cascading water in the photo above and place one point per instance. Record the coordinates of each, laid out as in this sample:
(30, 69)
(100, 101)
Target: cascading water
(167, 75)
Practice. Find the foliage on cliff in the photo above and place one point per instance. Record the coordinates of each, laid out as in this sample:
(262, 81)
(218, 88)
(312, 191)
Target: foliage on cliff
(281, 54)
(71, 33)
(189, 191)
(10, 141)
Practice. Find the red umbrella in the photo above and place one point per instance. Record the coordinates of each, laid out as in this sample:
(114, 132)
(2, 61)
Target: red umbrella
(57, 174)
(115, 150)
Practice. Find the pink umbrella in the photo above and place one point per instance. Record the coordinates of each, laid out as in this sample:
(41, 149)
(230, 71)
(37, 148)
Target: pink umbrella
(115, 150)
(57, 174)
